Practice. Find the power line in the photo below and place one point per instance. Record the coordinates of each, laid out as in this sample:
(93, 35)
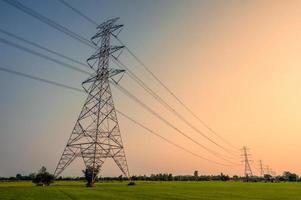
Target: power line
(39, 79)
(41, 47)
(127, 93)
(172, 94)
(152, 74)
(4, 41)
(123, 114)
(170, 142)
(35, 14)
(134, 98)
(85, 41)
(71, 67)
(165, 104)
(79, 12)
(50, 22)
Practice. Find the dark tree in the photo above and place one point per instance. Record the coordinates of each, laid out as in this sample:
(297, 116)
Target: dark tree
(31, 176)
(91, 175)
(235, 178)
(267, 177)
(43, 178)
(291, 177)
(19, 177)
(169, 177)
(224, 177)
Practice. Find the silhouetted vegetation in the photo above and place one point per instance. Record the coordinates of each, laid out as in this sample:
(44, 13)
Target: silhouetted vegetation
(170, 177)
(91, 175)
(131, 183)
(285, 177)
(291, 177)
(43, 178)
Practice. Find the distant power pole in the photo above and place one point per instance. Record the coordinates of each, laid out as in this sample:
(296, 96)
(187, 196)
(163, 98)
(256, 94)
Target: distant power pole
(96, 134)
(246, 161)
(261, 168)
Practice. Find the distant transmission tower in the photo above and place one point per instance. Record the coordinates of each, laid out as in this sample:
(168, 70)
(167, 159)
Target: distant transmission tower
(96, 135)
(261, 168)
(246, 161)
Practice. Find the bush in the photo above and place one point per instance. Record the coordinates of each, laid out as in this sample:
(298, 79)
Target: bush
(43, 178)
(131, 183)
(91, 175)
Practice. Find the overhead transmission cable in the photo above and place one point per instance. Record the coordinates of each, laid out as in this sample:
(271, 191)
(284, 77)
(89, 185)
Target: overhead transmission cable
(169, 141)
(128, 94)
(132, 96)
(159, 99)
(153, 75)
(39, 79)
(121, 113)
(12, 44)
(43, 48)
(164, 103)
(77, 69)
(44, 19)
(172, 94)
(48, 21)
(79, 12)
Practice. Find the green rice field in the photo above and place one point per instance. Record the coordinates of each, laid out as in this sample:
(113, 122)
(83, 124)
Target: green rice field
(66, 190)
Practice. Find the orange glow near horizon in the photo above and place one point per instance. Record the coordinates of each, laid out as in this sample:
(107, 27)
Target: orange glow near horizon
(240, 71)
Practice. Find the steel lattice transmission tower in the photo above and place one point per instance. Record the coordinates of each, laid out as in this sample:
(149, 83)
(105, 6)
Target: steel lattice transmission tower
(261, 168)
(96, 134)
(246, 161)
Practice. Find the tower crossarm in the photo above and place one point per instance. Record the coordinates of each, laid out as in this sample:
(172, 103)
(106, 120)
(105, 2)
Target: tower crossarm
(102, 52)
(101, 32)
(112, 72)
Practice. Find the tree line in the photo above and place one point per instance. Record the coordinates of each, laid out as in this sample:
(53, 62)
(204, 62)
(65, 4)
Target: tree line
(43, 176)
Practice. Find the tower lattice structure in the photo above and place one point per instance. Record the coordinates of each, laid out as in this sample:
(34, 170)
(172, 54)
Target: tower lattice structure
(261, 168)
(96, 134)
(246, 161)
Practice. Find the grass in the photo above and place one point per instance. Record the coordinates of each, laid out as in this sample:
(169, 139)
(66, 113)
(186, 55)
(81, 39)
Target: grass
(64, 190)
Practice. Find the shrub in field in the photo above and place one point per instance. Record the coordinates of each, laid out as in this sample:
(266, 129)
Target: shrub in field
(43, 178)
(131, 183)
(91, 175)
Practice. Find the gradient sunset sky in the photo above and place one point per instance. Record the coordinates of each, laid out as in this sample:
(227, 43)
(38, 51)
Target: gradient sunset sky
(237, 64)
